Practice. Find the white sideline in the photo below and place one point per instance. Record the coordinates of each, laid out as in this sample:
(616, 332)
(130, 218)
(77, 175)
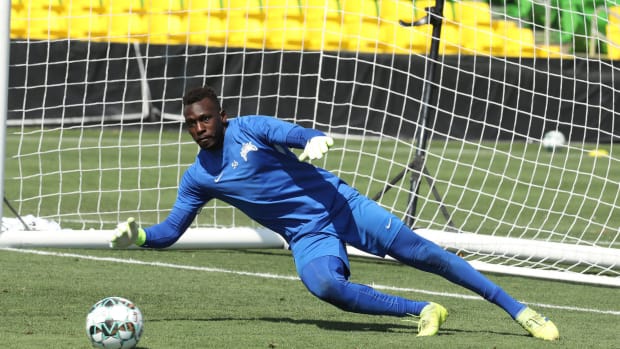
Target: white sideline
(287, 277)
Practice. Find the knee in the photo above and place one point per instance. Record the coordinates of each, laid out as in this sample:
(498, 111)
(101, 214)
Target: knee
(326, 278)
(327, 289)
(333, 291)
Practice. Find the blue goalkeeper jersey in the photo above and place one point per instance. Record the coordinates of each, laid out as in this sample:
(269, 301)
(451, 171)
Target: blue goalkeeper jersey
(256, 172)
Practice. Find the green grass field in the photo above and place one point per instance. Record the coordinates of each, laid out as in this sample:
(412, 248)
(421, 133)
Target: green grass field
(251, 298)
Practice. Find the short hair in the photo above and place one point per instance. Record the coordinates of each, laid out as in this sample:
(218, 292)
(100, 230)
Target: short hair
(199, 93)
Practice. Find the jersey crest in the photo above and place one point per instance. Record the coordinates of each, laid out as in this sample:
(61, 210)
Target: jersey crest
(246, 148)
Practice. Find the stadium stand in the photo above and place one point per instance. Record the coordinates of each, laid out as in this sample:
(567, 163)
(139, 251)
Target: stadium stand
(510, 28)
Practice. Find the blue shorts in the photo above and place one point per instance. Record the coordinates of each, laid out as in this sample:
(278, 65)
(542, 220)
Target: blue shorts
(369, 228)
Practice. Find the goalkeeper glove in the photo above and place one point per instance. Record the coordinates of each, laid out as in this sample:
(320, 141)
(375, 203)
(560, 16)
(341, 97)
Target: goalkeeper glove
(128, 233)
(316, 147)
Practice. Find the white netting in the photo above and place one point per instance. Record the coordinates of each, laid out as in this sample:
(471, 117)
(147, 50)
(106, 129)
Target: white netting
(95, 88)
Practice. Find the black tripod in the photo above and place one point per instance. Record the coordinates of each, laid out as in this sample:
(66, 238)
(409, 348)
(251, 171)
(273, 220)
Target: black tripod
(434, 16)
(15, 213)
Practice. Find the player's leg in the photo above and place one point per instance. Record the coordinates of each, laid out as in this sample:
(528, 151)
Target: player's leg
(327, 277)
(323, 266)
(382, 233)
(413, 250)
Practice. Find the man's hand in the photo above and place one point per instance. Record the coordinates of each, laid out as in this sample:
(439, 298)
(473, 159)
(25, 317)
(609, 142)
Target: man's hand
(316, 147)
(127, 234)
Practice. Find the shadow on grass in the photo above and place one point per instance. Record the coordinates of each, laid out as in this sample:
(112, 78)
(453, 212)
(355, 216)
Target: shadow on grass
(346, 326)
(323, 324)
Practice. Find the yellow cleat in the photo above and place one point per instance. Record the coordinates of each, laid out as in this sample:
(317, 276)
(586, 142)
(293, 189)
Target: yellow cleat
(432, 317)
(537, 325)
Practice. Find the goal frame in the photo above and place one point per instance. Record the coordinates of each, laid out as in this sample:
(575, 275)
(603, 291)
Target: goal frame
(258, 238)
(5, 45)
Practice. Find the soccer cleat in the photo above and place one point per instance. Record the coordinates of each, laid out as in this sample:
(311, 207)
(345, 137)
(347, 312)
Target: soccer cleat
(432, 317)
(537, 325)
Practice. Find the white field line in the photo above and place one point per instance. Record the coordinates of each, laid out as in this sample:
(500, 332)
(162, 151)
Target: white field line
(287, 277)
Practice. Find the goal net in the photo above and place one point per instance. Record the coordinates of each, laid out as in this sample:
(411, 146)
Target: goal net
(500, 147)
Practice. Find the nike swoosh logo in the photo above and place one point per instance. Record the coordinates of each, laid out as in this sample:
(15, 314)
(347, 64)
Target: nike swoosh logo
(389, 224)
(217, 179)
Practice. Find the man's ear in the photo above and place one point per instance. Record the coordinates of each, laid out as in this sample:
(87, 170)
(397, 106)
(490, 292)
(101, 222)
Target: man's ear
(224, 117)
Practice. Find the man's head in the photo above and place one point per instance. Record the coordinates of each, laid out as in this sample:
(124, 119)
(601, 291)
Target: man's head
(204, 117)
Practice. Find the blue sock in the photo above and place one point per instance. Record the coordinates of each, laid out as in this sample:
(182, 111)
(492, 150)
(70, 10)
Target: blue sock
(413, 250)
(327, 278)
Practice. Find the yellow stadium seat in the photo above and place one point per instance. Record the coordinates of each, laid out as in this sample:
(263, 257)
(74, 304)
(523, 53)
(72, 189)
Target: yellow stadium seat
(124, 21)
(168, 22)
(475, 27)
(613, 15)
(399, 39)
(472, 12)
(44, 20)
(393, 10)
(246, 23)
(449, 12)
(362, 30)
(172, 6)
(129, 26)
(19, 20)
(396, 38)
(89, 20)
(207, 23)
(132, 6)
(550, 51)
(517, 41)
(481, 39)
(413, 10)
(520, 43)
(450, 40)
(613, 40)
(503, 27)
(323, 25)
(415, 39)
(420, 9)
(17, 5)
(285, 24)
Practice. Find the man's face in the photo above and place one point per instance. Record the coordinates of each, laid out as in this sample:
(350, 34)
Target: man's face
(206, 123)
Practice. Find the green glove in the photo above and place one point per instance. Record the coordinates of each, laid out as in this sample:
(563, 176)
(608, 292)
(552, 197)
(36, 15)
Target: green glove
(127, 234)
(316, 147)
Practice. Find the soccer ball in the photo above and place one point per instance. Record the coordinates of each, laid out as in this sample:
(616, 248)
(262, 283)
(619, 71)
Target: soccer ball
(114, 322)
(553, 140)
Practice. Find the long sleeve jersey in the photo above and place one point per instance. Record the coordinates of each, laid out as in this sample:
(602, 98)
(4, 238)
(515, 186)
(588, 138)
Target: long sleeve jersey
(256, 172)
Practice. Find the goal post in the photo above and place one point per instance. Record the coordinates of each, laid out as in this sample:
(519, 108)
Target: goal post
(5, 30)
(94, 132)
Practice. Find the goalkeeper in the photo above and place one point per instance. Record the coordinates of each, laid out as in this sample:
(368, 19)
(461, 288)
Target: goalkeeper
(247, 163)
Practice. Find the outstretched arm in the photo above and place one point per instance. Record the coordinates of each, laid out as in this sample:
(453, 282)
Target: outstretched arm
(316, 147)
(170, 230)
(313, 142)
(159, 235)
(188, 203)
